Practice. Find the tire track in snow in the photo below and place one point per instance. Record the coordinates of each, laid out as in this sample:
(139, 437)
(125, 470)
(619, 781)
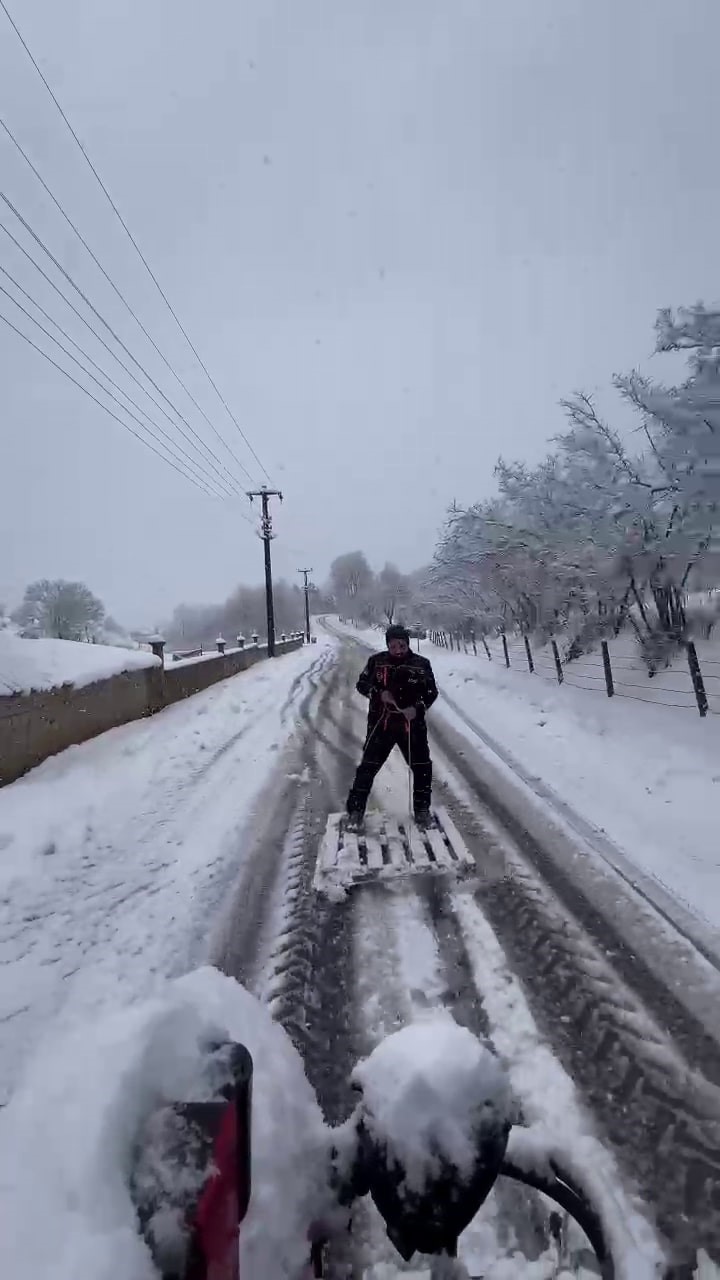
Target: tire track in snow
(320, 977)
(547, 1094)
(661, 1118)
(623, 1035)
(407, 948)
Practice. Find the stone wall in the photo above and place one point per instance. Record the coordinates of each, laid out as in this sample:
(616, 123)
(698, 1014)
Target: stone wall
(37, 725)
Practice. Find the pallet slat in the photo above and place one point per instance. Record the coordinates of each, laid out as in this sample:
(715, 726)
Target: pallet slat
(349, 853)
(328, 856)
(418, 852)
(396, 847)
(459, 847)
(374, 852)
(346, 858)
(443, 856)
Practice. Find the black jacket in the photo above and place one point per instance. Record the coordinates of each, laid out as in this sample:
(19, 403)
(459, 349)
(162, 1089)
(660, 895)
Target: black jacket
(410, 680)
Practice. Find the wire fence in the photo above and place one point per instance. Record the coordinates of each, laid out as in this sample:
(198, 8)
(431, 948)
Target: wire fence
(690, 683)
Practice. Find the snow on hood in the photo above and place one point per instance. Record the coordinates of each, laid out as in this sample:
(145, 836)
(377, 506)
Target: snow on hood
(428, 1089)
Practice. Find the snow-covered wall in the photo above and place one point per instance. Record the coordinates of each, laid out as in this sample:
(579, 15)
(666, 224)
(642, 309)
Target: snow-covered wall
(45, 721)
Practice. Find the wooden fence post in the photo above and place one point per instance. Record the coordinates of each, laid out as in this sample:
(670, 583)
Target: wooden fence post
(528, 650)
(485, 644)
(505, 650)
(609, 682)
(696, 677)
(558, 663)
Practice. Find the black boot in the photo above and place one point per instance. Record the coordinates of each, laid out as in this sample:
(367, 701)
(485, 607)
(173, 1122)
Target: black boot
(355, 821)
(423, 819)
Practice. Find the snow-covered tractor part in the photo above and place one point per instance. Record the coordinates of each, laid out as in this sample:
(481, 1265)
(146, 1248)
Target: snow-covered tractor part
(432, 1133)
(387, 848)
(191, 1180)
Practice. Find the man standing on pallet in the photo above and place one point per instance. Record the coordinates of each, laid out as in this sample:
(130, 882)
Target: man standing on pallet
(401, 687)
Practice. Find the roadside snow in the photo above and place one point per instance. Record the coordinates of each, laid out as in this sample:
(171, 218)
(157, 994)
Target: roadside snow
(66, 1138)
(45, 664)
(115, 855)
(645, 776)
(432, 1093)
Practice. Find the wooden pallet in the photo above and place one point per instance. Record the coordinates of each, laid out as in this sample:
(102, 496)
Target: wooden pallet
(387, 849)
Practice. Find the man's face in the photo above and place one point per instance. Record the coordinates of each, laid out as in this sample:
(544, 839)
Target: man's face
(398, 648)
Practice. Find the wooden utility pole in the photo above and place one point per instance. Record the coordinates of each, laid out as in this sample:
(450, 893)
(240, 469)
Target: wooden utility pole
(267, 536)
(305, 573)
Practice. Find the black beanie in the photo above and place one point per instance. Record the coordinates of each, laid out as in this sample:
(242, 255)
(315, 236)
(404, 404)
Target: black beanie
(397, 632)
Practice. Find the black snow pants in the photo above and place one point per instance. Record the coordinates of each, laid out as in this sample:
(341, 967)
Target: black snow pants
(392, 731)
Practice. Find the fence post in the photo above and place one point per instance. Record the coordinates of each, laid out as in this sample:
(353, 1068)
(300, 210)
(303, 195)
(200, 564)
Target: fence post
(157, 644)
(505, 650)
(485, 644)
(696, 677)
(474, 644)
(451, 640)
(609, 682)
(558, 663)
(528, 650)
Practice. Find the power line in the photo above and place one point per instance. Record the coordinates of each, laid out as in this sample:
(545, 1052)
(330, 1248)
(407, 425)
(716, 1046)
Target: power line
(120, 295)
(51, 282)
(176, 426)
(147, 443)
(130, 236)
(86, 356)
(170, 446)
(41, 243)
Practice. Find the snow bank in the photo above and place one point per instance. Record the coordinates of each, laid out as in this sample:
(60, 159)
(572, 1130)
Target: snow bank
(66, 1138)
(431, 1091)
(44, 664)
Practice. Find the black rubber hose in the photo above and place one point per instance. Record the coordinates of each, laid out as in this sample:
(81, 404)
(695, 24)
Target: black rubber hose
(558, 1187)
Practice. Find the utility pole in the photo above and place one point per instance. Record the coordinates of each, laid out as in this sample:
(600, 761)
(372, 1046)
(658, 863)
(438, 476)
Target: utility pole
(267, 535)
(305, 573)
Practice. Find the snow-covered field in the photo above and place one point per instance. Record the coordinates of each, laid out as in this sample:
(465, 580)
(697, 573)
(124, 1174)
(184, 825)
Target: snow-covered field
(115, 854)
(44, 664)
(646, 776)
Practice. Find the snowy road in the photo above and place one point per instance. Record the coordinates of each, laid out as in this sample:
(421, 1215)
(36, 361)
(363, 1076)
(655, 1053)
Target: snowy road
(607, 1018)
(116, 855)
(194, 835)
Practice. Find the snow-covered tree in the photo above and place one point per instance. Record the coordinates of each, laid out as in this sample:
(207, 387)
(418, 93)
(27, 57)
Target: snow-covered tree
(597, 535)
(66, 610)
(682, 428)
(392, 592)
(350, 573)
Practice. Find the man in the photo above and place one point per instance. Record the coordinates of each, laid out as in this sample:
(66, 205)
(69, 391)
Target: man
(401, 686)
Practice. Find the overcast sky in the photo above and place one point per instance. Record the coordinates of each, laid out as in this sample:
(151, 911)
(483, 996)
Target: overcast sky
(398, 231)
